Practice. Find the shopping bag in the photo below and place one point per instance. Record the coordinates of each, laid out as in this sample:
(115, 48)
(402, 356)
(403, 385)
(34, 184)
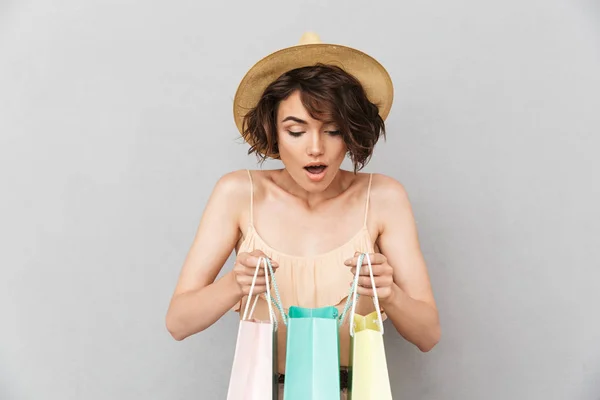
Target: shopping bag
(312, 365)
(254, 371)
(369, 378)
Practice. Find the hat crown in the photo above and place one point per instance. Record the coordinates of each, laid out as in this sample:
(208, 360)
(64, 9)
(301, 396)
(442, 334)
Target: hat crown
(309, 38)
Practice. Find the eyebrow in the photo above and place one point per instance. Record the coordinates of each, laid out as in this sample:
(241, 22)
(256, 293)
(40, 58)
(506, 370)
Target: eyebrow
(292, 118)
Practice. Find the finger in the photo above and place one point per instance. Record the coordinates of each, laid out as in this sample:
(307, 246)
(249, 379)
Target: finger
(252, 260)
(257, 254)
(256, 290)
(246, 280)
(380, 281)
(376, 258)
(378, 270)
(381, 293)
(247, 271)
(241, 269)
(252, 270)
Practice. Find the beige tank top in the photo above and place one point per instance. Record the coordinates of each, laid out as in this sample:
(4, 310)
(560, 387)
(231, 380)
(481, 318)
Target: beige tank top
(316, 281)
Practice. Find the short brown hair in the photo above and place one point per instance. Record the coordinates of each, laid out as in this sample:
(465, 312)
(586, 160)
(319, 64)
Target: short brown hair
(329, 94)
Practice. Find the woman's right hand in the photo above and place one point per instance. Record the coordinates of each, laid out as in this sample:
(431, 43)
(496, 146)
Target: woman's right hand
(243, 272)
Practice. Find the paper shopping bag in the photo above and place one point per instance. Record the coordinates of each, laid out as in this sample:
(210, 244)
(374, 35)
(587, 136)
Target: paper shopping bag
(312, 367)
(254, 371)
(369, 379)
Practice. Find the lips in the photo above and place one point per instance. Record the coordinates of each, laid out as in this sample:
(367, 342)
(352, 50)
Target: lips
(315, 169)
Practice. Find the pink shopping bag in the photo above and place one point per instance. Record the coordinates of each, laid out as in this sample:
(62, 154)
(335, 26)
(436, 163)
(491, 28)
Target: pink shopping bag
(254, 371)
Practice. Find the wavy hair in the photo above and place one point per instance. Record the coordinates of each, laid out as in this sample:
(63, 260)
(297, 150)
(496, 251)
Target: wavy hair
(329, 94)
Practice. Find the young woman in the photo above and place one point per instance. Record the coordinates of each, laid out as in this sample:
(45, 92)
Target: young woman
(310, 106)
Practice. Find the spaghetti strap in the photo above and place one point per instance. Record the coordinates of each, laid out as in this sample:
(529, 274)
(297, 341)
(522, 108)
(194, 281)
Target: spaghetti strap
(251, 198)
(368, 197)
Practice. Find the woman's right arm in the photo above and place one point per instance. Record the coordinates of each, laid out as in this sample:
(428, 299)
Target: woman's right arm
(198, 300)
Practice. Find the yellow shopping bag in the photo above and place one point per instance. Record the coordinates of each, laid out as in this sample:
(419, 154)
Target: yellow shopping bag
(369, 372)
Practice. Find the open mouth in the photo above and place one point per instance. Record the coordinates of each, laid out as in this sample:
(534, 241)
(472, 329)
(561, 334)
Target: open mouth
(315, 169)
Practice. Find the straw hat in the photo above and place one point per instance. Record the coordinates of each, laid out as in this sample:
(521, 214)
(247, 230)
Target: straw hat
(309, 51)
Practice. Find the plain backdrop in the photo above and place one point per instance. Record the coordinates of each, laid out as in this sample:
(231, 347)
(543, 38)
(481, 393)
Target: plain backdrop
(116, 122)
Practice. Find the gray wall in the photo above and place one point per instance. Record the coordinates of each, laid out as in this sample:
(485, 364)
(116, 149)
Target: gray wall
(115, 122)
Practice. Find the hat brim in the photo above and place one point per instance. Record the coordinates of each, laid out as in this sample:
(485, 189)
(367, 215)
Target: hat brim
(372, 75)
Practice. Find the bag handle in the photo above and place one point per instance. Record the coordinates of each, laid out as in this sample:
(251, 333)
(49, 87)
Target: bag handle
(267, 270)
(352, 296)
(351, 299)
(277, 300)
(359, 265)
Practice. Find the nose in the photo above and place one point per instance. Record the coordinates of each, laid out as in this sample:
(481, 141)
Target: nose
(316, 146)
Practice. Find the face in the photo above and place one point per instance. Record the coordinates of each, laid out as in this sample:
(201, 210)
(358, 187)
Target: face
(311, 150)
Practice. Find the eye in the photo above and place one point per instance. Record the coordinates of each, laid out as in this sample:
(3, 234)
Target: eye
(295, 134)
(333, 133)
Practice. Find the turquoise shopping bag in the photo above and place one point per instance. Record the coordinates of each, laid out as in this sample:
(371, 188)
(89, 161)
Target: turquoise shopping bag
(312, 365)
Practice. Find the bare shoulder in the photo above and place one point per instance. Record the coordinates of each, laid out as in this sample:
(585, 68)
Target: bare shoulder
(232, 191)
(234, 182)
(389, 202)
(261, 175)
(388, 192)
(262, 179)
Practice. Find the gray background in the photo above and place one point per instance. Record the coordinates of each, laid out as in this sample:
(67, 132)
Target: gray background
(115, 122)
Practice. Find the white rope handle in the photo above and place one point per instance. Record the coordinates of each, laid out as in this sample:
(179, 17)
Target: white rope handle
(359, 265)
(250, 293)
(268, 298)
(355, 292)
(375, 297)
(271, 319)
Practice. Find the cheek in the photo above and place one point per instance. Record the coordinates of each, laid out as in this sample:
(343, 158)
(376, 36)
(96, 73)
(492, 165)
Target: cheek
(282, 144)
(288, 149)
(338, 146)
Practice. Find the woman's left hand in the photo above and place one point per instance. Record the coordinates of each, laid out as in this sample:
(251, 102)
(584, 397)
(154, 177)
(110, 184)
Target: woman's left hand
(383, 274)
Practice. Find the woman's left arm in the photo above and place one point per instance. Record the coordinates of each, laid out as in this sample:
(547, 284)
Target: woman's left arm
(401, 276)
